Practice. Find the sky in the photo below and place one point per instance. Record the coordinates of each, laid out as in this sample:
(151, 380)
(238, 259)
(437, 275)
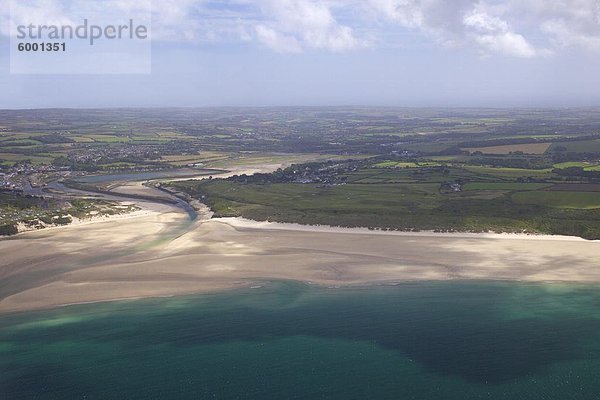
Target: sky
(410, 53)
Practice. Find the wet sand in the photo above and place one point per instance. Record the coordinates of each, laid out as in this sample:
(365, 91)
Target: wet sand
(161, 253)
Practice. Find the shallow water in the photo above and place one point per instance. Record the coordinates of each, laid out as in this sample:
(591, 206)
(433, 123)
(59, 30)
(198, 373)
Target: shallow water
(431, 340)
(145, 176)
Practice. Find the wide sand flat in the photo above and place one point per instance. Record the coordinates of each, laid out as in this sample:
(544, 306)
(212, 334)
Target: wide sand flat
(161, 253)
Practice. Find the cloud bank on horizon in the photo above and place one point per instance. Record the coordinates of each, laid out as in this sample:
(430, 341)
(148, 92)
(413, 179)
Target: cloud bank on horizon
(513, 28)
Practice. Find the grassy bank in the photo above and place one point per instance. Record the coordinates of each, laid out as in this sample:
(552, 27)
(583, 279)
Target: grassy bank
(419, 198)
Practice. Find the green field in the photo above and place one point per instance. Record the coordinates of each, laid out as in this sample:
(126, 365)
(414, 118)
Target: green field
(439, 134)
(404, 207)
(559, 199)
(399, 164)
(528, 148)
(11, 158)
(505, 186)
(392, 168)
(583, 146)
(570, 164)
(410, 199)
(510, 173)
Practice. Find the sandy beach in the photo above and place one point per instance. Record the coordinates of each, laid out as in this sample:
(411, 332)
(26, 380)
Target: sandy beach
(159, 252)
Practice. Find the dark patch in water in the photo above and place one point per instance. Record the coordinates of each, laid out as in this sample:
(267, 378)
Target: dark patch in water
(450, 329)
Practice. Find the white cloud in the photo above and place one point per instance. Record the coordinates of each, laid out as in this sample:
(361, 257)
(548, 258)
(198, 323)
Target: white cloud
(408, 13)
(439, 20)
(507, 43)
(277, 41)
(467, 23)
(172, 20)
(51, 12)
(572, 23)
(306, 24)
(493, 34)
(515, 28)
(482, 22)
(565, 35)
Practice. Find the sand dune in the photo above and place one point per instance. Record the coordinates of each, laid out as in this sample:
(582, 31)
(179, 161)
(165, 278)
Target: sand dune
(161, 253)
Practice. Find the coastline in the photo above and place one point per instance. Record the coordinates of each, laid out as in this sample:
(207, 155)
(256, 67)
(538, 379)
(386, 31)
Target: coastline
(147, 210)
(160, 252)
(241, 222)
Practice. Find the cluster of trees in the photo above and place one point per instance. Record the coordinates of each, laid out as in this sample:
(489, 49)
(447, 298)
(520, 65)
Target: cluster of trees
(561, 155)
(8, 229)
(63, 161)
(503, 142)
(53, 138)
(327, 172)
(524, 140)
(514, 161)
(578, 172)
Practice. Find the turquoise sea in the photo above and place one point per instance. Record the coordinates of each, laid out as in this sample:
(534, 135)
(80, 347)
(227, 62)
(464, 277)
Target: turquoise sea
(429, 340)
